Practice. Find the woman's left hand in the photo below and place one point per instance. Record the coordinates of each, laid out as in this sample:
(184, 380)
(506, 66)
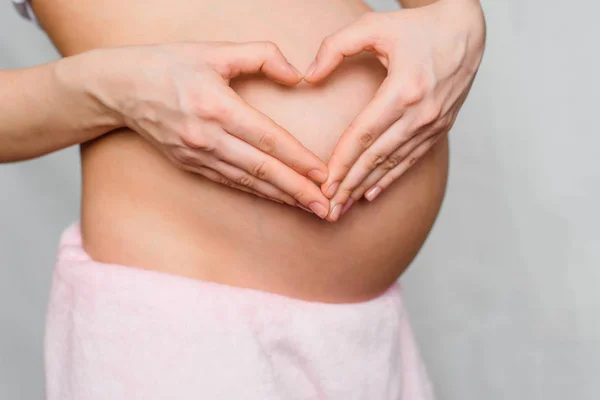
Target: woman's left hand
(432, 54)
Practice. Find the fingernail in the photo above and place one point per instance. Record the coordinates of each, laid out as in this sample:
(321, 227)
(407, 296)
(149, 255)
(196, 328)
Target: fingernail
(317, 175)
(332, 189)
(318, 209)
(311, 69)
(335, 212)
(373, 193)
(347, 205)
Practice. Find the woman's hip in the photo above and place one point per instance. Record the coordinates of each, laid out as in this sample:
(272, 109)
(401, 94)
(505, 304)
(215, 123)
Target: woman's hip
(116, 332)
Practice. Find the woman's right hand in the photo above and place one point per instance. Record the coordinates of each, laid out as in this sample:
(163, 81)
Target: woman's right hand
(178, 97)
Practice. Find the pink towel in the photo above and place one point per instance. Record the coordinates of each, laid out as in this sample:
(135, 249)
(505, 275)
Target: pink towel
(116, 332)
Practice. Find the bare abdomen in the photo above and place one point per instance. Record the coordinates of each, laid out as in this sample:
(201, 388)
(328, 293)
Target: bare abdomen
(139, 210)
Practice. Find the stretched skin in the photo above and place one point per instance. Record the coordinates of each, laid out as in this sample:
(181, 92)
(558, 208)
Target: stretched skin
(140, 210)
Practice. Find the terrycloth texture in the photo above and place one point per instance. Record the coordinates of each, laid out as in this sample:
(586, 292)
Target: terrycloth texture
(116, 332)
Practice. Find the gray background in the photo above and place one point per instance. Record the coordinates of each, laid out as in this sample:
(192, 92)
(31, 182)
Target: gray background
(504, 296)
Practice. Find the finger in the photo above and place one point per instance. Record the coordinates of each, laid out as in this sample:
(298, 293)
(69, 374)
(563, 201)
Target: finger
(405, 138)
(243, 178)
(254, 57)
(387, 107)
(262, 132)
(263, 189)
(217, 177)
(348, 41)
(392, 161)
(399, 170)
(382, 155)
(261, 166)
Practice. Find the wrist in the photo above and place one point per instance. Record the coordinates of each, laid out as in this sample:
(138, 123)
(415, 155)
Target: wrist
(81, 78)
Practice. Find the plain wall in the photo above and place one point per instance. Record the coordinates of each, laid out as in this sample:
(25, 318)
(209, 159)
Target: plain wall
(504, 295)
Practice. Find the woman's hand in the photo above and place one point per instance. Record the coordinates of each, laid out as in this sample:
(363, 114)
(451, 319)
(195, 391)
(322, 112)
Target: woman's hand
(432, 54)
(178, 97)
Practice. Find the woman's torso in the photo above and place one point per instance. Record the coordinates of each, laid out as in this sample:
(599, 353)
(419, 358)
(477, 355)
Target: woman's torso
(140, 210)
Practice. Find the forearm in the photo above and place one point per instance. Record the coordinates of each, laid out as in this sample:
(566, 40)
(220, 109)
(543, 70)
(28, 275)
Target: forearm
(49, 107)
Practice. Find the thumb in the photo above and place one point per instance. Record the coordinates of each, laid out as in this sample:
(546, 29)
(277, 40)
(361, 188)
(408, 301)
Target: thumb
(348, 41)
(254, 57)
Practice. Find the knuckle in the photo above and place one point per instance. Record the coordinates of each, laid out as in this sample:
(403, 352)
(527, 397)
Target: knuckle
(147, 113)
(267, 143)
(213, 109)
(270, 48)
(367, 138)
(412, 93)
(187, 168)
(246, 180)
(222, 180)
(392, 162)
(328, 44)
(205, 109)
(430, 114)
(409, 96)
(260, 170)
(183, 156)
(376, 160)
(446, 122)
(424, 81)
(412, 160)
(193, 137)
(223, 111)
(345, 168)
(299, 195)
(228, 182)
(345, 192)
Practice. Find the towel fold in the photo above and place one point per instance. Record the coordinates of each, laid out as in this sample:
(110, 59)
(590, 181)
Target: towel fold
(116, 332)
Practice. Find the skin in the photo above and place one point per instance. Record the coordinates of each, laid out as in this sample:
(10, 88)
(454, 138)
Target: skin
(432, 54)
(140, 208)
(223, 139)
(413, 108)
(35, 120)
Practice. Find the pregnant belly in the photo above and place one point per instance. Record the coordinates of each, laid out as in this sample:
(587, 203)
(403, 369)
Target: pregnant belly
(139, 210)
